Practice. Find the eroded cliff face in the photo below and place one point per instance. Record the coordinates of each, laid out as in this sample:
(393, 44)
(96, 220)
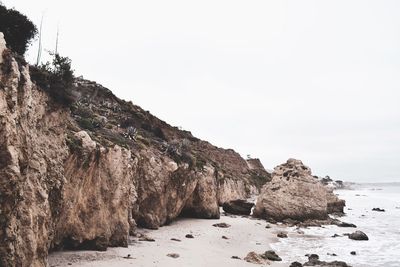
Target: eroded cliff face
(84, 175)
(98, 198)
(294, 193)
(32, 152)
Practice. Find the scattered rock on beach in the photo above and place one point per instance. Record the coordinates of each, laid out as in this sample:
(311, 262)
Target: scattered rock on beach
(290, 222)
(312, 257)
(358, 235)
(189, 236)
(238, 207)
(282, 235)
(296, 264)
(173, 255)
(176, 239)
(127, 256)
(146, 238)
(378, 209)
(221, 225)
(224, 237)
(268, 226)
(345, 224)
(235, 257)
(271, 255)
(353, 253)
(313, 260)
(253, 257)
(335, 235)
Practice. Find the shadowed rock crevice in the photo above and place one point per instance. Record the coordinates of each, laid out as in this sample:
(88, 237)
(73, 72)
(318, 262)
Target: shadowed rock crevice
(203, 203)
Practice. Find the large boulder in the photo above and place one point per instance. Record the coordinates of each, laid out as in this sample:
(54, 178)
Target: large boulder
(358, 235)
(293, 193)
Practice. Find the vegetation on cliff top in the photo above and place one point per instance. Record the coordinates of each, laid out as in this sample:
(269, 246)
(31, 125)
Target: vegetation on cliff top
(18, 30)
(56, 78)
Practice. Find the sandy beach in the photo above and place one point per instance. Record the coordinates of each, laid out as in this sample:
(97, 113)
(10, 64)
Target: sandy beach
(207, 248)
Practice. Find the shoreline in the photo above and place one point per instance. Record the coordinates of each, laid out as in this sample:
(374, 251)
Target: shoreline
(331, 243)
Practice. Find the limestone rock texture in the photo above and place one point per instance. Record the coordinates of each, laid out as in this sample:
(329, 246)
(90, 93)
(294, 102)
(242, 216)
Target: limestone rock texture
(293, 193)
(84, 175)
(32, 152)
(98, 198)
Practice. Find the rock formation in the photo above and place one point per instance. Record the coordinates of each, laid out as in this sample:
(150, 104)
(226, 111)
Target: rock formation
(294, 193)
(82, 175)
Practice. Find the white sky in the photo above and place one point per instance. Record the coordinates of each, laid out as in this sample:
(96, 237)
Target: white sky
(315, 80)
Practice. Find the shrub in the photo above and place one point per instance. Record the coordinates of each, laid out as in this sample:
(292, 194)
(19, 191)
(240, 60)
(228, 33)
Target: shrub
(18, 30)
(87, 124)
(56, 78)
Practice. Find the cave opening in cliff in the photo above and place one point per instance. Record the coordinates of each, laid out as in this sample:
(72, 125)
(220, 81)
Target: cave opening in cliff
(68, 243)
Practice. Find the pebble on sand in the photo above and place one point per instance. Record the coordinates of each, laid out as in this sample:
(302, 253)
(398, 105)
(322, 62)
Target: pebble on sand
(173, 255)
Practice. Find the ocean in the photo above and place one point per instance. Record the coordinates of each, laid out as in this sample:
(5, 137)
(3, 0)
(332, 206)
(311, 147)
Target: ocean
(383, 229)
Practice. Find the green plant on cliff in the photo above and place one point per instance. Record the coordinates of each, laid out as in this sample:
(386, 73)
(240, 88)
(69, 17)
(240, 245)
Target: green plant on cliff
(258, 179)
(56, 78)
(18, 30)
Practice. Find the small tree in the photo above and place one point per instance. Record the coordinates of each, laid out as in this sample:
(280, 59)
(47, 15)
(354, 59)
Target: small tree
(56, 78)
(18, 30)
(61, 70)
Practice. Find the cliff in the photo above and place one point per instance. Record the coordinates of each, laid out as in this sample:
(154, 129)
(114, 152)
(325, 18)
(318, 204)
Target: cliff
(82, 176)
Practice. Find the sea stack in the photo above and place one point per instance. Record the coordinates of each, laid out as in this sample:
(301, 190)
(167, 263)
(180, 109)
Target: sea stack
(294, 193)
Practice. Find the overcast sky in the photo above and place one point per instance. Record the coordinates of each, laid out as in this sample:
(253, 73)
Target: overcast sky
(314, 80)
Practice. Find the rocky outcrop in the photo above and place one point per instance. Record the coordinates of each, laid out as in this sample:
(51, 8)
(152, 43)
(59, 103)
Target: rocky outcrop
(293, 193)
(164, 193)
(98, 198)
(231, 189)
(203, 203)
(82, 175)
